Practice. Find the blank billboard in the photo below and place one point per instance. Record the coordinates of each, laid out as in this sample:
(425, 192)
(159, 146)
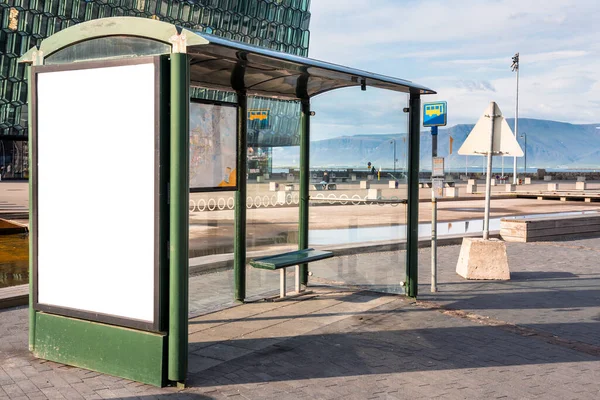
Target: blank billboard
(95, 148)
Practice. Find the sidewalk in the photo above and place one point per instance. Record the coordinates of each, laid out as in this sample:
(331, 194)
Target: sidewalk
(535, 336)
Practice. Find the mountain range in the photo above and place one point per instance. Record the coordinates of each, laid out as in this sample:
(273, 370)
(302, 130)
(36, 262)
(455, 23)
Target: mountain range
(550, 144)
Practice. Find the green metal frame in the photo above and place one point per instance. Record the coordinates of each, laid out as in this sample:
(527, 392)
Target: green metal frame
(31, 222)
(123, 352)
(179, 218)
(412, 223)
(239, 240)
(303, 222)
(118, 26)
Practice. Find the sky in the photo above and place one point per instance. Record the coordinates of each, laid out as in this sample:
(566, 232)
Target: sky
(462, 49)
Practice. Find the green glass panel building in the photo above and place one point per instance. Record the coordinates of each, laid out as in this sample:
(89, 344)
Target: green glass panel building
(276, 24)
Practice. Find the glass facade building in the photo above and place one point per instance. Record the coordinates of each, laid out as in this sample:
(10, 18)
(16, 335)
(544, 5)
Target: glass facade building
(276, 24)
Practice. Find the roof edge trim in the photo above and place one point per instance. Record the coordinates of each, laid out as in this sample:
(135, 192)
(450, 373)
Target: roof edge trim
(113, 26)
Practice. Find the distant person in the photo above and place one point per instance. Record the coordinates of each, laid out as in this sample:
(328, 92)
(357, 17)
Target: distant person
(325, 177)
(373, 170)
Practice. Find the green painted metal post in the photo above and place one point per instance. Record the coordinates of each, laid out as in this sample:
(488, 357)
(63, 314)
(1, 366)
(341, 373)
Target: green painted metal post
(239, 240)
(412, 240)
(179, 222)
(304, 184)
(31, 227)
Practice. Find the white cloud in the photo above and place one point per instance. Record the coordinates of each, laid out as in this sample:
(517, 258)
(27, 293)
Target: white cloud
(463, 49)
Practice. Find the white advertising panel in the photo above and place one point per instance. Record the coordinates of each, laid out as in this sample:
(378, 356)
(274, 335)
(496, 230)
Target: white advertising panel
(96, 160)
(213, 157)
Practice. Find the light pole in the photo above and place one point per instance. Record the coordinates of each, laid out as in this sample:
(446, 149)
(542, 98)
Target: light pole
(524, 136)
(515, 67)
(394, 141)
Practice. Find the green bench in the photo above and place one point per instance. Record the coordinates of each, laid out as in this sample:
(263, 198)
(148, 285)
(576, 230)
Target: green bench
(284, 260)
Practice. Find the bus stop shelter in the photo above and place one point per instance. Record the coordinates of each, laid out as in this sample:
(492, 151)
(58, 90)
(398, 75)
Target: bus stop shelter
(114, 298)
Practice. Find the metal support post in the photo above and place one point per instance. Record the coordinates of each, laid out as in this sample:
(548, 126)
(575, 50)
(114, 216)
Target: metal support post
(179, 220)
(488, 179)
(282, 288)
(516, 122)
(434, 142)
(412, 219)
(31, 212)
(239, 239)
(304, 184)
(433, 243)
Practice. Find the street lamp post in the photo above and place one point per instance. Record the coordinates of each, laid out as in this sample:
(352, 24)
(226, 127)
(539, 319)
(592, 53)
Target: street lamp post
(394, 141)
(515, 67)
(524, 136)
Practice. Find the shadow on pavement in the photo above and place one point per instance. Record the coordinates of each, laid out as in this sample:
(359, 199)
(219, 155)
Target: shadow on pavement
(377, 351)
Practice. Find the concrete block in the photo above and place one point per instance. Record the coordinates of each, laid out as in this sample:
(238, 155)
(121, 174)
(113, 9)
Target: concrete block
(290, 177)
(528, 181)
(509, 187)
(580, 185)
(493, 182)
(581, 179)
(471, 182)
(289, 187)
(365, 184)
(483, 259)
(267, 176)
(547, 178)
(393, 184)
(353, 177)
(552, 187)
(563, 199)
(452, 192)
(587, 200)
(281, 197)
(373, 194)
(464, 177)
(471, 189)
(273, 186)
(260, 179)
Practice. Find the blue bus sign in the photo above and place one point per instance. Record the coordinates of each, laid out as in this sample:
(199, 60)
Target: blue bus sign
(435, 114)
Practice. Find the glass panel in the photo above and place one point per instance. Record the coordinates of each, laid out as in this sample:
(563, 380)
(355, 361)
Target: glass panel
(273, 187)
(108, 47)
(14, 159)
(358, 187)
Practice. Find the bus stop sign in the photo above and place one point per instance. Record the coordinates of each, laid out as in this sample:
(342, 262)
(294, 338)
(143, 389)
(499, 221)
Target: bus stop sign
(435, 114)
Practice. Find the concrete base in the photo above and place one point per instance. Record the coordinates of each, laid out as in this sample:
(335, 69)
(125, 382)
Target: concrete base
(373, 194)
(580, 185)
(552, 187)
(452, 192)
(527, 181)
(364, 184)
(547, 178)
(471, 189)
(393, 185)
(483, 259)
(509, 187)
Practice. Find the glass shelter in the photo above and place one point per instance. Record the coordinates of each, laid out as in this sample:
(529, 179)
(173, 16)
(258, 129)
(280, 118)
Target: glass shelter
(115, 297)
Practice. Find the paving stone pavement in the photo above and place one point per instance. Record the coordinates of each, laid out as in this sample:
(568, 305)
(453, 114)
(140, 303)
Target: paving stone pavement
(554, 287)
(356, 344)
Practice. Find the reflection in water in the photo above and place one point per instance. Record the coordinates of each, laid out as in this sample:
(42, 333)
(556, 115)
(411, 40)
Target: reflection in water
(14, 260)
(398, 232)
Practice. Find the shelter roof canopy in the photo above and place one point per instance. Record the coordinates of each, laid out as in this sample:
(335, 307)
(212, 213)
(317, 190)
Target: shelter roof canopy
(228, 65)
